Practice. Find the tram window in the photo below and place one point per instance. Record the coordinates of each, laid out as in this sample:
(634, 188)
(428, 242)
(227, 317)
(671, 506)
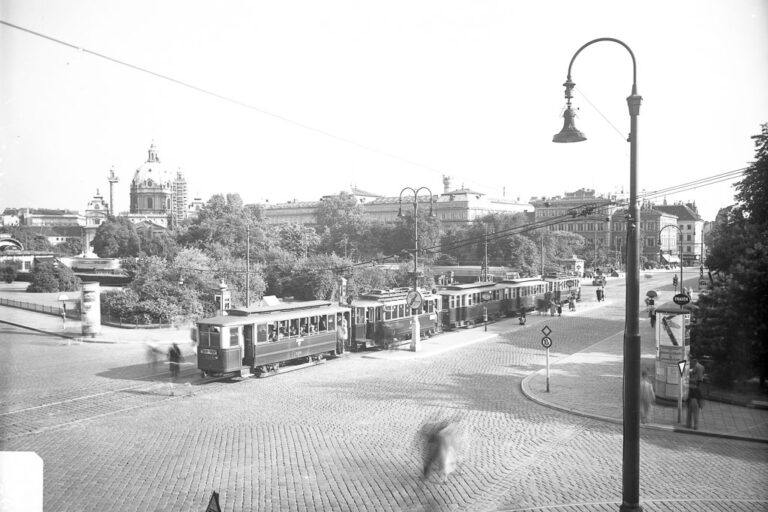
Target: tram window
(313, 325)
(283, 330)
(387, 313)
(303, 326)
(212, 336)
(234, 336)
(323, 323)
(294, 327)
(401, 311)
(331, 322)
(261, 333)
(359, 317)
(272, 332)
(378, 314)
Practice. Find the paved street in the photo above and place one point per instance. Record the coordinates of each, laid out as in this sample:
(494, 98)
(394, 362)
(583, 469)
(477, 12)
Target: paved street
(340, 436)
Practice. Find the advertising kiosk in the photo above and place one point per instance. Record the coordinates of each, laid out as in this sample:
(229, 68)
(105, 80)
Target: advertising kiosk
(673, 336)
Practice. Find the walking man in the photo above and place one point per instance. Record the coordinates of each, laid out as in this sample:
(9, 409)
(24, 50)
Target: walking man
(174, 356)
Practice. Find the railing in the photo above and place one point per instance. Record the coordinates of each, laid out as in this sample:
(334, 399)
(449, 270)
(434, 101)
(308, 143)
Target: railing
(73, 313)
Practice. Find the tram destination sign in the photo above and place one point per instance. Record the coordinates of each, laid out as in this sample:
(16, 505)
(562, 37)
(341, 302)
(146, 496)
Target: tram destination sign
(681, 299)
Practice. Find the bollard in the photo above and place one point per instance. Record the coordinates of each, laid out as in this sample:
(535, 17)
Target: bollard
(189, 389)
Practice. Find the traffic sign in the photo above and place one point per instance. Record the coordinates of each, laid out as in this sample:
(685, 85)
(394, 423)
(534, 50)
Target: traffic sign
(681, 366)
(681, 299)
(546, 330)
(485, 296)
(546, 341)
(413, 299)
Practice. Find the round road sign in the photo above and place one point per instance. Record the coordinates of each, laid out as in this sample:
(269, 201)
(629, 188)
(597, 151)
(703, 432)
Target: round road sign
(486, 296)
(681, 299)
(413, 299)
(546, 341)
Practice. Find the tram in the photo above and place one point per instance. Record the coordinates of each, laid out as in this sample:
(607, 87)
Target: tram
(381, 318)
(261, 339)
(466, 304)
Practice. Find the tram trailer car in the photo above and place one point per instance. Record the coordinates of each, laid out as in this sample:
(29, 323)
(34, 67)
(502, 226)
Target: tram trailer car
(381, 318)
(262, 339)
(463, 305)
(563, 287)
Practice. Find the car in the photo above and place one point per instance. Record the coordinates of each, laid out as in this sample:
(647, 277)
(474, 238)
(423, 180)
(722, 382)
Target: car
(598, 281)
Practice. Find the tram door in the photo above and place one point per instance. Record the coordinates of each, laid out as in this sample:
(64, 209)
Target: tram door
(372, 319)
(248, 340)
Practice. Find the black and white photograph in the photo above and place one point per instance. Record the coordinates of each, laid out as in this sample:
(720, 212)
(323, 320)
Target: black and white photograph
(405, 256)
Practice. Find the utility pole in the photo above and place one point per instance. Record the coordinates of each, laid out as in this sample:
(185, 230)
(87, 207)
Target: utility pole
(247, 265)
(485, 259)
(541, 255)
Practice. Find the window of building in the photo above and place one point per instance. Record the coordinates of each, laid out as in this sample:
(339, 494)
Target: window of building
(688, 249)
(689, 237)
(150, 203)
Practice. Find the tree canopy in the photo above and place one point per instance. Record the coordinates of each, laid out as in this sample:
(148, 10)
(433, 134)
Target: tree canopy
(732, 326)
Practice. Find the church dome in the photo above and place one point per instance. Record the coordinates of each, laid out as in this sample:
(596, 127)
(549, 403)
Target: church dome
(152, 173)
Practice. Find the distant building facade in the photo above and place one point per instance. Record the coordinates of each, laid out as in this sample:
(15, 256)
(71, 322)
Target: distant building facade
(157, 195)
(692, 228)
(460, 206)
(581, 212)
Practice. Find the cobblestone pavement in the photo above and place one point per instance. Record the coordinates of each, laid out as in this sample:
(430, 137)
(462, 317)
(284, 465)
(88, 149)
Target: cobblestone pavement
(341, 435)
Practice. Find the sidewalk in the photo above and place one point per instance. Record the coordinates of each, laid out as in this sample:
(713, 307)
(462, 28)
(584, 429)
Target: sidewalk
(590, 383)
(51, 324)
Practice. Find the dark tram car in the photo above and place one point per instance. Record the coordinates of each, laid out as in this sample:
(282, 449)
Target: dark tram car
(463, 305)
(561, 288)
(381, 318)
(263, 338)
(524, 294)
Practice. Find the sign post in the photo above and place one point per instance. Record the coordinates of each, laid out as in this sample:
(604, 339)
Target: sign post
(681, 367)
(546, 342)
(486, 296)
(413, 301)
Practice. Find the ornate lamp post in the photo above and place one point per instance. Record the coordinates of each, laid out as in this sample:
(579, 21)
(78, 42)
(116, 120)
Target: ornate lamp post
(631, 439)
(414, 299)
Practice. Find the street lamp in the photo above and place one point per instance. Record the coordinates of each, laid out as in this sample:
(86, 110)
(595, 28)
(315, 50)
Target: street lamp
(679, 252)
(631, 438)
(416, 327)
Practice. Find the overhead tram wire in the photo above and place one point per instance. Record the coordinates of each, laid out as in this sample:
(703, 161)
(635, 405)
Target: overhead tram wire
(228, 99)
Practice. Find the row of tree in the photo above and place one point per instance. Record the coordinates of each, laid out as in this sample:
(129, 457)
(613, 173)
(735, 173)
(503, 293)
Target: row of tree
(731, 324)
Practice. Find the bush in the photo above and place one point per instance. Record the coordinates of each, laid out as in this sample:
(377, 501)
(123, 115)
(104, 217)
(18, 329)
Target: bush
(47, 277)
(8, 273)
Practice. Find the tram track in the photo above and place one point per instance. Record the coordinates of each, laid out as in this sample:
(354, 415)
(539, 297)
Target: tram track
(63, 413)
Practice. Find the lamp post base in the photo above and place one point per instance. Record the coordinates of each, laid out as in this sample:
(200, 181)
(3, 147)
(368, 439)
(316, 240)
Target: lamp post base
(415, 334)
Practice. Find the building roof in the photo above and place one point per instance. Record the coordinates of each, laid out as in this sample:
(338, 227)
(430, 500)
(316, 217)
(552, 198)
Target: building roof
(59, 231)
(681, 211)
(359, 192)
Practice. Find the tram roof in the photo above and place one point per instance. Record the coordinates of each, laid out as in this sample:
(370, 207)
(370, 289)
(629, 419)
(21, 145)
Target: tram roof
(274, 316)
(467, 286)
(283, 306)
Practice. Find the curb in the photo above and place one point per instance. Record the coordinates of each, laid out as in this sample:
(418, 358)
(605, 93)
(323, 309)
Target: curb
(81, 339)
(525, 389)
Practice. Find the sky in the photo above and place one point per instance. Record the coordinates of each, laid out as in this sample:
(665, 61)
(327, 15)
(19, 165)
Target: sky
(309, 98)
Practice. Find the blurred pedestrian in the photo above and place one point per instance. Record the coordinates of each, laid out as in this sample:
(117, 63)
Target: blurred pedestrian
(559, 309)
(599, 293)
(571, 304)
(64, 316)
(552, 308)
(153, 354)
(441, 442)
(602, 293)
(522, 317)
(174, 357)
(647, 398)
(694, 407)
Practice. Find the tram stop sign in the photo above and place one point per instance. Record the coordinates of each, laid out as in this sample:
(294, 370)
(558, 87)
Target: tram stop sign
(681, 299)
